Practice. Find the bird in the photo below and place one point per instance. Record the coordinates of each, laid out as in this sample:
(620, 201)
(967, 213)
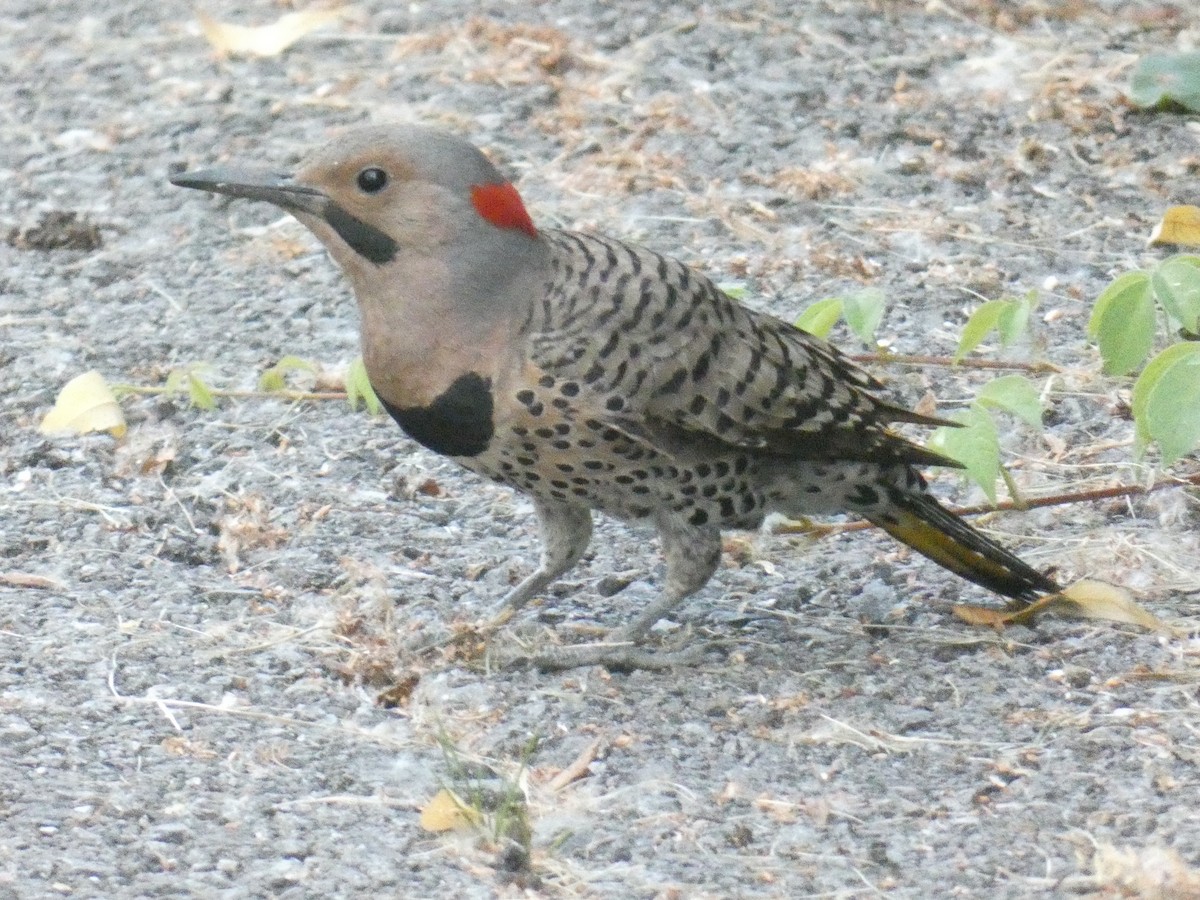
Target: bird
(595, 375)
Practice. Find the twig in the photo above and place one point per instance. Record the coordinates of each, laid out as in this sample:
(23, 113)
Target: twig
(904, 359)
(285, 394)
(578, 768)
(1120, 490)
(1108, 493)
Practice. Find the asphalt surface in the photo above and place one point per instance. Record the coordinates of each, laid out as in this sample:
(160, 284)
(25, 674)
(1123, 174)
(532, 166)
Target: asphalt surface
(240, 654)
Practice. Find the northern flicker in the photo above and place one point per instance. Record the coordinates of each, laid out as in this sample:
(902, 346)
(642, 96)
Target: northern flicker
(596, 375)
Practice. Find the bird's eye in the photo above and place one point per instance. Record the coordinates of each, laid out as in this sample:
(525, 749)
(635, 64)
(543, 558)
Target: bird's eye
(372, 180)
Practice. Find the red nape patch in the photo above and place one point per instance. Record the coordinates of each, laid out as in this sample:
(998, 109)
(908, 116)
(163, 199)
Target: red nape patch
(501, 205)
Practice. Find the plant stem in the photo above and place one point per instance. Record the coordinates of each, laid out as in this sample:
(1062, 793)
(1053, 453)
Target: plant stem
(903, 359)
(1108, 493)
(238, 395)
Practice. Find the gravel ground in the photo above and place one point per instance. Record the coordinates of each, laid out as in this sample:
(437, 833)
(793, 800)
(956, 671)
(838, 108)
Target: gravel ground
(246, 661)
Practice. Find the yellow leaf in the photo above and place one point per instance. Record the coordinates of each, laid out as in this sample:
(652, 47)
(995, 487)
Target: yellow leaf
(1179, 225)
(1097, 600)
(86, 403)
(446, 812)
(1082, 600)
(263, 40)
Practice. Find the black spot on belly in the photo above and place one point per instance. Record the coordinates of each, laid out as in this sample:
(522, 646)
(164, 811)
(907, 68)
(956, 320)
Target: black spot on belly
(864, 495)
(368, 242)
(457, 423)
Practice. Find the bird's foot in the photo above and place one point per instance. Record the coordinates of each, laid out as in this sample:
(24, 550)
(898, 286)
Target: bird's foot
(614, 652)
(502, 616)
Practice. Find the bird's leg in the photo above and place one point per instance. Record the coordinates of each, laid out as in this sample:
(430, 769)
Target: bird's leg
(566, 530)
(692, 554)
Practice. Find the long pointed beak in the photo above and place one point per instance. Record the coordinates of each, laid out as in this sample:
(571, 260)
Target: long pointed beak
(367, 241)
(280, 190)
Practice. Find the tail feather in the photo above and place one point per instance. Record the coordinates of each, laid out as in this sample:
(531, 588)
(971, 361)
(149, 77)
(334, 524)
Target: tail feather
(918, 520)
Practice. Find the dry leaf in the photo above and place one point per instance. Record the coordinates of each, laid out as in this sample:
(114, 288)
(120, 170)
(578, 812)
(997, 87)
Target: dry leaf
(1179, 225)
(181, 746)
(1097, 600)
(29, 580)
(782, 811)
(329, 380)
(446, 812)
(1082, 600)
(263, 40)
(86, 403)
(149, 451)
(247, 525)
(1150, 872)
(399, 693)
(429, 488)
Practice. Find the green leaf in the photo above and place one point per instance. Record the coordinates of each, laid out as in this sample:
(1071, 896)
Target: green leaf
(275, 378)
(820, 317)
(294, 363)
(358, 388)
(736, 290)
(198, 392)
(864, 311)
(976, 445)
(1015, 394)
(1123, 323)
(1166, 402)
(981, 323)
(1009, 318)
(271, 380)
(1014, 320)
(1165, 78)
(1176, 283)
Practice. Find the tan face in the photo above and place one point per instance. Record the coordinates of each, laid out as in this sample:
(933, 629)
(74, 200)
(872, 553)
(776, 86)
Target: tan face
(380, 189)
(417, 187)
(424, 227)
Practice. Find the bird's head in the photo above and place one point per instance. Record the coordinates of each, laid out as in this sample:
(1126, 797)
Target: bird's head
(379, 192)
